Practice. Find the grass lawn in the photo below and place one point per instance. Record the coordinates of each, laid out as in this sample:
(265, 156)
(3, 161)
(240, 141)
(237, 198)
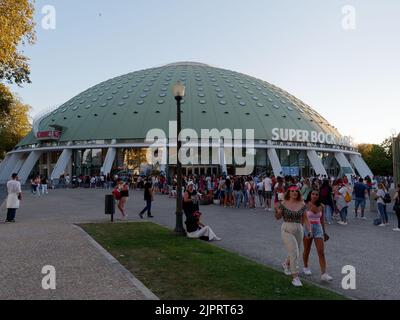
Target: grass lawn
(178, 268)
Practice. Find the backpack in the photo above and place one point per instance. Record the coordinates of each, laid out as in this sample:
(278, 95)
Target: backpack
(387, 198)
(347, 197)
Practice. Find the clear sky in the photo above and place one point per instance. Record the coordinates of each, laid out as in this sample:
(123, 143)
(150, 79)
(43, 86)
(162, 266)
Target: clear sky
(351, 77)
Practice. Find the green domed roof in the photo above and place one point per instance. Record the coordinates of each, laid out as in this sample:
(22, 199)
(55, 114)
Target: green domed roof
(128, 106)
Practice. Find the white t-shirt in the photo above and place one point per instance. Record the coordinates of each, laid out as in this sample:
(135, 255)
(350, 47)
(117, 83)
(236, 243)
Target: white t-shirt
(380, 194)
(267, 184)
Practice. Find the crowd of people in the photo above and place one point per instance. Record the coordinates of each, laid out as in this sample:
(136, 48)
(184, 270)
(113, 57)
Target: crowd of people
(252, 192)
(306, 205)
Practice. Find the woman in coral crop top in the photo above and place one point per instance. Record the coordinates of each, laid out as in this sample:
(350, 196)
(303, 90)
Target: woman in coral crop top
(316, 221)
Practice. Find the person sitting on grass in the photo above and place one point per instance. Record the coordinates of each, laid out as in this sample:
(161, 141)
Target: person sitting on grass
(197, 230)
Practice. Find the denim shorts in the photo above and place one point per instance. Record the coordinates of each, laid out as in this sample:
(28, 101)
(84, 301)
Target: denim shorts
(317, 231)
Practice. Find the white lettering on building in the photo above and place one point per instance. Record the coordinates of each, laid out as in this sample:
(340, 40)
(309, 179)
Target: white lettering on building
(293, 135)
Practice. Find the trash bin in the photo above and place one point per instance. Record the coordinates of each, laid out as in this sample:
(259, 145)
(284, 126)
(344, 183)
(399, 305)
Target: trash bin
(109, 205)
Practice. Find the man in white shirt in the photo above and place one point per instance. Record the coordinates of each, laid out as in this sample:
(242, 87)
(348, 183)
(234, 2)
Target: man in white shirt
(13, 198)
(268, 192)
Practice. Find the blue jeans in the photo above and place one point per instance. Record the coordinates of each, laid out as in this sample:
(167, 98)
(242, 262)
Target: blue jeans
(239, 195)
(328, 213)
(147, 207)
(383, 213)
(343, 214)
(245, 198)
(359, 202)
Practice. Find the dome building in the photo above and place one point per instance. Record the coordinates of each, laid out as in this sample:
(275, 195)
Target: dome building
(104, 129)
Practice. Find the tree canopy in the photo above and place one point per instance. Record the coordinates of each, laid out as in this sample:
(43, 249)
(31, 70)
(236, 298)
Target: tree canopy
(14, 126)
(378, 157)
(17, 27)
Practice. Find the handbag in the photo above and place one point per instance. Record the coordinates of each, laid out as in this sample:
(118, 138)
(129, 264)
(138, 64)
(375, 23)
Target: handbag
(326, 237)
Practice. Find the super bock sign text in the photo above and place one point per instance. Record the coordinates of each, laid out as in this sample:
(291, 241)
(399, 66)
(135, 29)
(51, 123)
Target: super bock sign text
(296, 135)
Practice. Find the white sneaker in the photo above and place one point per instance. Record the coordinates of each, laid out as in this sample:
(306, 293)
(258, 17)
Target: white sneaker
(396, 229)
(296, 282)
(342, 223)
(364, 218)
(286, 269)
(326, 277)
(382, 225)
(307, 271)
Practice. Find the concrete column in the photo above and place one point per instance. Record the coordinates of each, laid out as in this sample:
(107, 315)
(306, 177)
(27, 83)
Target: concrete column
(316, 162)
(28, 165)
(8, 166)
(275, 163)
(222, 161)
(62, 164)
(164, 161)
(18, 165)
(344, 163)
(361, 166)
(4, 165)
(109, 160)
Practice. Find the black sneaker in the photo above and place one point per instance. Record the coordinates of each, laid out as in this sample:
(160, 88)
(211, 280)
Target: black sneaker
(141, 215)
(150, 216)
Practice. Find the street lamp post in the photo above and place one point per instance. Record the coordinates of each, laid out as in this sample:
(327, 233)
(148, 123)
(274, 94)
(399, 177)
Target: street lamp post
(179, 93)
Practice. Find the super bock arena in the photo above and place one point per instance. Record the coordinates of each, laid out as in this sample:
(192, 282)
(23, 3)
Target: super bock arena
(128, 124)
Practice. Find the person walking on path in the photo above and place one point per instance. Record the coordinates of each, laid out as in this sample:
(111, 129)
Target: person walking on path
(306, 189)
(293, 212)
(13, 198)
(149, 198)
(43, 185)
(396, 207)
(325, 193)
(380, 195)
(268, 192)
(315, 217)
(343, 199)
(117, 193)
(360, 193)
(124, 192)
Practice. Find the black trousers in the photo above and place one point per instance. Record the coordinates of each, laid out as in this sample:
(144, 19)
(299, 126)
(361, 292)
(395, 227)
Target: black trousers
(11, 214)
(398, 219)
(147, 207)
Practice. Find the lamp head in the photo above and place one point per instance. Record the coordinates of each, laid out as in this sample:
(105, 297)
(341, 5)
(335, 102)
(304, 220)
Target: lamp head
(178, 90)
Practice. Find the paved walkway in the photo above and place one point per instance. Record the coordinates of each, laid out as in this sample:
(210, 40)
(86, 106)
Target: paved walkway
(44, 235)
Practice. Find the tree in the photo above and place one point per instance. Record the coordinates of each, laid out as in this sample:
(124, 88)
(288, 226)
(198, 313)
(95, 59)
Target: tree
(14, 126)
(377, 158)
(16, 28)
(6, 100)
